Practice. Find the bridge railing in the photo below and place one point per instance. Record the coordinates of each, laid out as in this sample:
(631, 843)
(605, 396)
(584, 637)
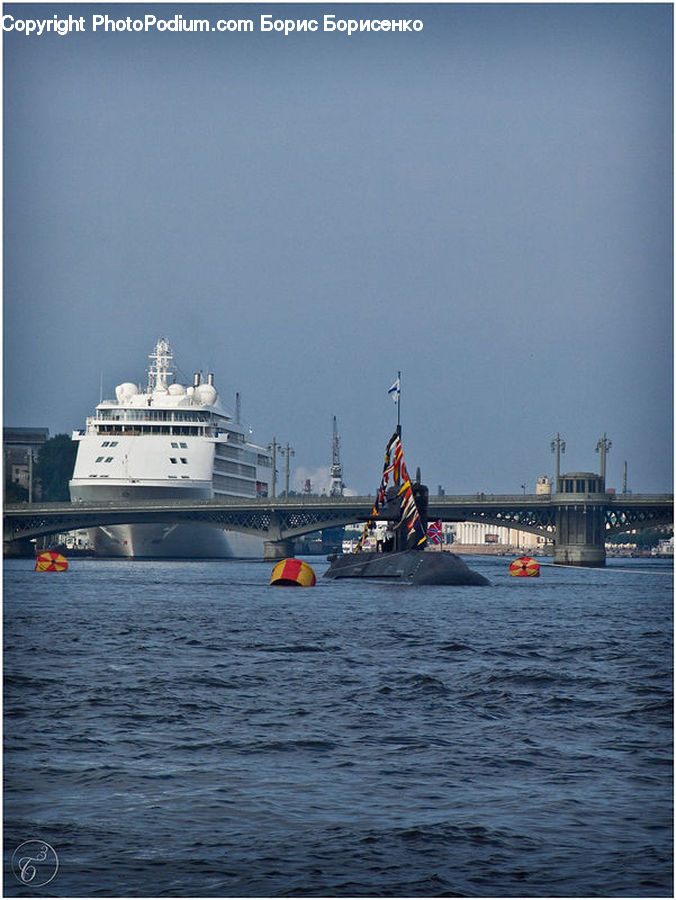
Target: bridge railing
(262, 502)
(312, 501)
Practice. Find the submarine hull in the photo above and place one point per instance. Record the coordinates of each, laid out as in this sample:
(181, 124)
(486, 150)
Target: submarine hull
(407, 566)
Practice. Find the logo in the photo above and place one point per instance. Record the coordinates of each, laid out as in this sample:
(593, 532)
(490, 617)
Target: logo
(35, 863)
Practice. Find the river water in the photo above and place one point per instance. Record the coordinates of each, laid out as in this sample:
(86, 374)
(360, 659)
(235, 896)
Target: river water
(184, 729)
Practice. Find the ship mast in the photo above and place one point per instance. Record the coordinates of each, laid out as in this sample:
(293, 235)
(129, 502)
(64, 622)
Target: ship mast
(336, 469)
(158, 372)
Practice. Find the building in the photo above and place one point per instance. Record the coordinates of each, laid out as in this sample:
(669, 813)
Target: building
(480, 534)
(543, 486)
(22, 448)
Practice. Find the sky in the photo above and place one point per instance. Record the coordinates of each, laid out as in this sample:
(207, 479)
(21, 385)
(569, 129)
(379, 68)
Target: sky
(484, 205)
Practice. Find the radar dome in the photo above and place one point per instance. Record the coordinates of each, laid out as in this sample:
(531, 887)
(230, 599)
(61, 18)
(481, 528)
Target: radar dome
(176, 389)
(125, 392)
(205, 394)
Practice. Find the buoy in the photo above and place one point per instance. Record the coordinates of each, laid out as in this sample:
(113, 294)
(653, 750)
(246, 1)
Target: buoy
(525, 566)
(50, 561)
(293, 573)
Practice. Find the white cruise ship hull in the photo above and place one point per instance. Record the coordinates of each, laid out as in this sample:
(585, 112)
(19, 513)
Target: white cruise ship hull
(164, 540)
(173, 542)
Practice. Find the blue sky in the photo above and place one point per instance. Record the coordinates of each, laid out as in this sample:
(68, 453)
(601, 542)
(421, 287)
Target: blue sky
(484, 205)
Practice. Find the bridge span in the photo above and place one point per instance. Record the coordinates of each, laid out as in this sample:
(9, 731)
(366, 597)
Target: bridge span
(577, 523)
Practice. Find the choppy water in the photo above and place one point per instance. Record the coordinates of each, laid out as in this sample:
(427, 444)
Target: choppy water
(183, 729)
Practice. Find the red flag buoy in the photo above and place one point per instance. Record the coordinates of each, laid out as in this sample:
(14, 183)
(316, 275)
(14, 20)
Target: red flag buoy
(293, 573)
(525, 566)
(50, 561)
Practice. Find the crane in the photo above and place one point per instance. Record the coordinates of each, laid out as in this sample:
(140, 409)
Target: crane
(336, 468)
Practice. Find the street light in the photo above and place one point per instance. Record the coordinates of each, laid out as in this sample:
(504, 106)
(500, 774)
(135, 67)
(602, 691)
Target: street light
(29, 454)
(558, 446)
(287, 452)
(273, 449)
(602, 447)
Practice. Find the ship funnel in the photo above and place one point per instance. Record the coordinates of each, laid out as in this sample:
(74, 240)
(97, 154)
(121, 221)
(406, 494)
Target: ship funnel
(211, 378)
(196, 378)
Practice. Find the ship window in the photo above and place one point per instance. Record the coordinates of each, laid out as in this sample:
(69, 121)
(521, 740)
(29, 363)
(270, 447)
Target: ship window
(184, 445)
(174, 444)
(99, 459)
(105, 444)
(109, 458)
(172, 459)
(113, 443)
(184, 461)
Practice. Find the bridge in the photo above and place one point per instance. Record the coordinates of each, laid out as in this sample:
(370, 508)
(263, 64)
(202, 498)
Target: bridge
(577, 522)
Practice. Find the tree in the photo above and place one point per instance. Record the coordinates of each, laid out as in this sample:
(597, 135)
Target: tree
(14, 492)
(55, 467)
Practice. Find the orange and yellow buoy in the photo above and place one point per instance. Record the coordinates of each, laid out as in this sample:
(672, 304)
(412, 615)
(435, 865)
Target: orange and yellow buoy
(525, 566)
(50, 561)
(293, 573)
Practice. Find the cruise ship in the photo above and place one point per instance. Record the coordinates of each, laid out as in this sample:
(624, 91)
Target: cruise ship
(163, 441)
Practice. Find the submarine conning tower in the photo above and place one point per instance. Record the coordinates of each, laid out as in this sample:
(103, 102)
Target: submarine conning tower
(393, 510)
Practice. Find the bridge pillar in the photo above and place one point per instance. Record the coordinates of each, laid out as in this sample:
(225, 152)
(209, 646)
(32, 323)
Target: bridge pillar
(580, 535)
(19, 548)
(278, 549)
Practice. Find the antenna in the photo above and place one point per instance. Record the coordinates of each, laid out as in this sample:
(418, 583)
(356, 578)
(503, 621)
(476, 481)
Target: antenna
(158, 372)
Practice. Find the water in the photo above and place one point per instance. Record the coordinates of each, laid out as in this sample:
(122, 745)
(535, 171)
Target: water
(184, 729)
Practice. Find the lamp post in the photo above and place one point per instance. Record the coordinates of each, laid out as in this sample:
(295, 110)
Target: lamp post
(558, 446)
(287, 452)
(602, 447)
(273, 449)
(30, 474)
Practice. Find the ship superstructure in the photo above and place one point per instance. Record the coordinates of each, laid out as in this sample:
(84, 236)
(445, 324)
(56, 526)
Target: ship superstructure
(168, 440)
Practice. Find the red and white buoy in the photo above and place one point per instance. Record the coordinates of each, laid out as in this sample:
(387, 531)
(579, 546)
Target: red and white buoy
(51, 561)
(293, 573)
(525, 567)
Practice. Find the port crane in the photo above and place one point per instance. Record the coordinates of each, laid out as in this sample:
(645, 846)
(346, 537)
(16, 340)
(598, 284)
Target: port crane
(337, 485)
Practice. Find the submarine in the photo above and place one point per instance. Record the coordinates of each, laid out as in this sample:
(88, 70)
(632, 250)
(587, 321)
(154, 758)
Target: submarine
(406, 566)
(402, 557)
